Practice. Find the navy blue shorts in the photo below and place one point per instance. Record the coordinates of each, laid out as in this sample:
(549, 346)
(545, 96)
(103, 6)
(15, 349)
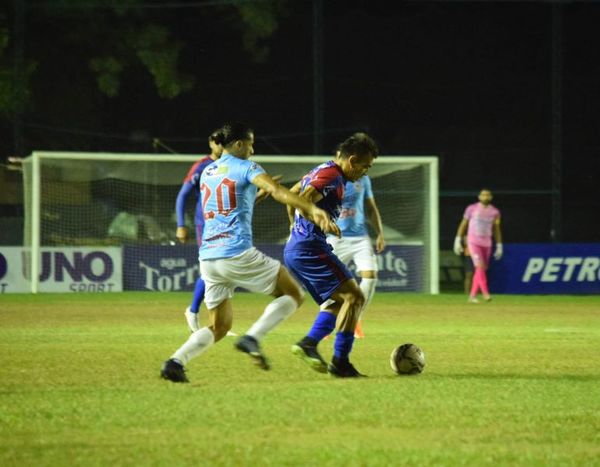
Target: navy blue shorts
(318, 269)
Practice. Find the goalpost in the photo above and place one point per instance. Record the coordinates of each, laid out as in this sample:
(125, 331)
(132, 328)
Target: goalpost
(105, 221)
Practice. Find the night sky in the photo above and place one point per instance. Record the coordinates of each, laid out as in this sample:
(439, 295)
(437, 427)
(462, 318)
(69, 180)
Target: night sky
(468, 81)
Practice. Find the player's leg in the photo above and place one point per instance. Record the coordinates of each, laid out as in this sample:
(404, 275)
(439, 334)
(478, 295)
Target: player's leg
(220, 316)
(477, 264)
(351, 300)
(220, 319)
(323, 325)
(191, 312)
(366, 264)
(468, 271)
(321, 273)
(288, 297)
(483, 284)
(368, 281)
(257, 272)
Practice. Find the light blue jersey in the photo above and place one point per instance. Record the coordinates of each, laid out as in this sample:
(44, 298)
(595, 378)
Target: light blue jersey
(228, 196)
(352, 216)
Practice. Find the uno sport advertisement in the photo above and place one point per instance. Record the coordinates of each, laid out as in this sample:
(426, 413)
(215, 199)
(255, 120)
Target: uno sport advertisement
(547, 269)
(163, 268)
(63, 269)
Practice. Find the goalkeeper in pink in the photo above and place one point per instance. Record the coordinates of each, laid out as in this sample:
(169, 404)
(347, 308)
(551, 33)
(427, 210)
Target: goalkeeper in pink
(480, 221)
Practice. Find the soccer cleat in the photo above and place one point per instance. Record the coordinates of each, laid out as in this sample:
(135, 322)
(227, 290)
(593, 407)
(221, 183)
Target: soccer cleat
(488, 298)
(231, 334)
(192, 319)
(174, 371)
(472, 300)
(249, 345)
(310, 355)
(358, 332)
(343, 369)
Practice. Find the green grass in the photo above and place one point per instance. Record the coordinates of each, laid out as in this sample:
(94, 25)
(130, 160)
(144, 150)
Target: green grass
(514, 382)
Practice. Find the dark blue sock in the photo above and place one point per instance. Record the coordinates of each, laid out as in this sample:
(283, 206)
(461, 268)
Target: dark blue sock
(343, 344)
(323, 326)
(198, 296)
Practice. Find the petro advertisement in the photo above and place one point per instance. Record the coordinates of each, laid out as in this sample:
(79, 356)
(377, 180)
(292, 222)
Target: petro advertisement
(63, 269)
(532, 268)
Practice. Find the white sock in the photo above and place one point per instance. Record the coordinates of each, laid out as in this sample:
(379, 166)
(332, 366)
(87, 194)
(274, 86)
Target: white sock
(368, 289)
(275, 312)
(198, 342)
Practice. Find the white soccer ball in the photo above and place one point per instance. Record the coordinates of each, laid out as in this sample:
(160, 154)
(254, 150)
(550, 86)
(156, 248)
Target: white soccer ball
(407, 359)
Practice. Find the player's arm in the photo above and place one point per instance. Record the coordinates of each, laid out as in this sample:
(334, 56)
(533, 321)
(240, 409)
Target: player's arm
(182, 230)
(498, 239)
(460, 233)
(290, 210)
(375, 220)
(261, 194)
(284, 196)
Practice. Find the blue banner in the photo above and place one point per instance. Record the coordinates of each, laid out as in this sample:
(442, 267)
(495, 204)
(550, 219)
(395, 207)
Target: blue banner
(532, 268)
(400, 266)
(160, 268)
(175, 268)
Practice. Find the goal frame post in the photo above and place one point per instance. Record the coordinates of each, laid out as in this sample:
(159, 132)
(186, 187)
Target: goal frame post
(431, 162)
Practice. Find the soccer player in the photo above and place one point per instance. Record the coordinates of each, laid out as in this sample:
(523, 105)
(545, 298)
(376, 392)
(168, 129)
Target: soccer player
(479, 222)
(228, 259)
(468, 268)
(355, 244)
(308, 255)
(191, 184)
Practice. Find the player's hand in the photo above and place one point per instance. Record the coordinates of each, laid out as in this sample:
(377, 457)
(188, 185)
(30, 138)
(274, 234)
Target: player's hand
(182, 234)
(458, 248)
(379, 243)
(324, 222)
(263, 194)
(498, 252)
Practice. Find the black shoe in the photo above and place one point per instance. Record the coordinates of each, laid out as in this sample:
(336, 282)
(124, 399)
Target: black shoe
(249, 345)
(343, 369)
(174, 371)
(310, 355)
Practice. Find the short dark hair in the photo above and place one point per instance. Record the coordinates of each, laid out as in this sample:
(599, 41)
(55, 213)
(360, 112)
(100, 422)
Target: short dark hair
(216, 136)
(234, 131)
(359, 144)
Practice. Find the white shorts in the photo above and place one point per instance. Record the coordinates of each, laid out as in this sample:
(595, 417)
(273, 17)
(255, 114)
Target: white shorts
(252, 270)
(357, 249)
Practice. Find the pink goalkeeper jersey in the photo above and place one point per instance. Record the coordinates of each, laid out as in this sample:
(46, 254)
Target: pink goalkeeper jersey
(481, 222)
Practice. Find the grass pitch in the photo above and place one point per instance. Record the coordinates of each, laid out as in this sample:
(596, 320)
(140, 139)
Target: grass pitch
(514, 382)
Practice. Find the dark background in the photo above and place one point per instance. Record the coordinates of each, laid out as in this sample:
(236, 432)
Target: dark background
(470, 82)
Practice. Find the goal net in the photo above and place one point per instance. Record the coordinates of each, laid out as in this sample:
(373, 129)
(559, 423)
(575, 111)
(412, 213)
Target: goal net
(106, 222)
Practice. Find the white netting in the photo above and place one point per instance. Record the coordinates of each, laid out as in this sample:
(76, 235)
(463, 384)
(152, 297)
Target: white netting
(94, 200)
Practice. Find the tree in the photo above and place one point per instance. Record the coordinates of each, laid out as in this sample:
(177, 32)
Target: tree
(114, 37)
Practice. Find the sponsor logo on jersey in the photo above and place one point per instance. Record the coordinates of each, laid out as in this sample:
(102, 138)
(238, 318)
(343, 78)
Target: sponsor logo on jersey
(214, 170)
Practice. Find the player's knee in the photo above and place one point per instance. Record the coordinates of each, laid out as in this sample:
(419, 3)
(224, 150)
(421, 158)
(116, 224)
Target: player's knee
(369, 274)
(359, 300)
(298, 296)
(356, 299)
(220, 330)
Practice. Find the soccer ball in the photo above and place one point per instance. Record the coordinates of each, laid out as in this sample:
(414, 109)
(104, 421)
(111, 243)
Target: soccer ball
(408, 359)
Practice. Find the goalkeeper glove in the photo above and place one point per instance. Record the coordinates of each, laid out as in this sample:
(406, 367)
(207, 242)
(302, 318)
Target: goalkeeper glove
(458, 248)
(498, 252)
